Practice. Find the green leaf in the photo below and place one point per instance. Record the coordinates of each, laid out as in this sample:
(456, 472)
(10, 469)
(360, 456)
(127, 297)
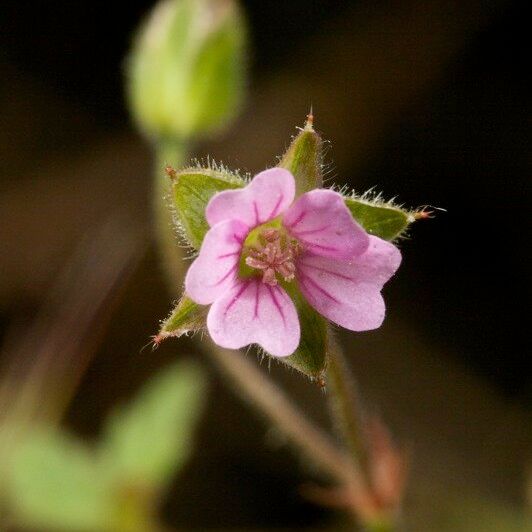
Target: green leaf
(146, 442)
(56, 484)
(380, 219)
(310, 356)
(192, 188)
(304, 159)
(186, 317)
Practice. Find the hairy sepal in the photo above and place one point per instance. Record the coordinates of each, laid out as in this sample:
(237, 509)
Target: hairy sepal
(304, 159)
(310, 358)
(379, 218)
(186, 317)
(192, 189)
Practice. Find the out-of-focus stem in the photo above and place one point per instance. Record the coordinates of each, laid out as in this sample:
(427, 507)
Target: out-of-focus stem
(380, 526)
(168, 153)
(265, 396)
(346, 409)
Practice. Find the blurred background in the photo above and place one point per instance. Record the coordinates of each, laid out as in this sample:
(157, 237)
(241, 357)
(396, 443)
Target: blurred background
(428, 101)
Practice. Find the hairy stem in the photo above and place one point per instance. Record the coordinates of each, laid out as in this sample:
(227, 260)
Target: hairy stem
(168, 153)
(265, 396)
(346, 409)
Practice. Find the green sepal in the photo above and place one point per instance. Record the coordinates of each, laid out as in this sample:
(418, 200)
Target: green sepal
(310, 356)
(192, 188)
(385, 220)
(304, 159)
(186, 317)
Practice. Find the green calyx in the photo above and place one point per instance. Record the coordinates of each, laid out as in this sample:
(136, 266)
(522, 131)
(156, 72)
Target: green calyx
(304, 159)
(186, 317)
(310, 356)
(191, 190)
(379, 218)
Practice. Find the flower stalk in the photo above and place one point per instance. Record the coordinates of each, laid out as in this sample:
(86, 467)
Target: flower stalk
(345, 405)
(272, 402)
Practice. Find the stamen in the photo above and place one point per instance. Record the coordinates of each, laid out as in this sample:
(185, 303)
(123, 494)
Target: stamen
(271, 235)
(268, 277)
(275, 256)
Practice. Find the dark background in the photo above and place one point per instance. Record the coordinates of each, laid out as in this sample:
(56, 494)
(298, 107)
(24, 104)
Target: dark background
(459, 141)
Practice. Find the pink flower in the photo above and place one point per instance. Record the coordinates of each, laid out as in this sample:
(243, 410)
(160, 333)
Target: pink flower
(261, 242)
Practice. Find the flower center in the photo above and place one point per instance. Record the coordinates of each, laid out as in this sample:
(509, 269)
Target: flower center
(272, 253)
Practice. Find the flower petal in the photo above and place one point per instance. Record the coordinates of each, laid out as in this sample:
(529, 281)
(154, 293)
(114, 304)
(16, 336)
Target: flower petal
(216, 266)
(348, 293)
(255, 313)
(269, 194)
(320, 220)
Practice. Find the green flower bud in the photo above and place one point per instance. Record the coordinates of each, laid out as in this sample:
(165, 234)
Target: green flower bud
(186, 68)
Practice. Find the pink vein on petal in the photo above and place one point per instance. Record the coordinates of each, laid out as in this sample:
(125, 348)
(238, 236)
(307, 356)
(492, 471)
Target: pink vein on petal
(313, 231)
(325, 270)
(225, 255)
(257, 294)
(276, 303)
(243, 288)
(300, 217)
(310, 245)
(303, 277)
(232, 270)
(238, 238)
(256, 210)
(273, 214)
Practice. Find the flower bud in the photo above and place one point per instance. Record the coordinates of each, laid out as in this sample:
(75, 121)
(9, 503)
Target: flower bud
(186, 68)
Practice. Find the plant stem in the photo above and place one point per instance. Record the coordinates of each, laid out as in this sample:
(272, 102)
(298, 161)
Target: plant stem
(264, 395)
(168, 152)
(346, 409)
(379, 526)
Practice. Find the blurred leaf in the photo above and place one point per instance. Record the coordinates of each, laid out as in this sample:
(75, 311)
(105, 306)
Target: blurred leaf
(380, 219)
(187, 316)
(146, 442)
(186, 69)
(304, 158)
(55, 484)
(192, 188)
